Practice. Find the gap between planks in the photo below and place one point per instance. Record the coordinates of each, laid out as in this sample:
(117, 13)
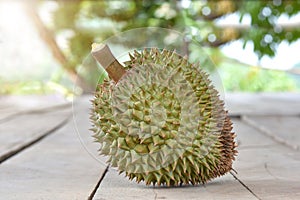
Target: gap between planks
(36, 140)
(266, 132)
(91, 196)
(244, 185)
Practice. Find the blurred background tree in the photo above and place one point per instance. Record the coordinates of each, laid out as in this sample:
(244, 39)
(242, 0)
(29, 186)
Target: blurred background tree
(79, 23)
(101, 19)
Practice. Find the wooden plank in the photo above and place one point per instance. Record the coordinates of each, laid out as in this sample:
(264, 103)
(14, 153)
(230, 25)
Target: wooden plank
(270, 170)
(282, 129)
(11, 106)
(114, 187)
(263, 103)
(247, 139)
(58, 167)
(117, 187)
(81, 111)
(25, 129)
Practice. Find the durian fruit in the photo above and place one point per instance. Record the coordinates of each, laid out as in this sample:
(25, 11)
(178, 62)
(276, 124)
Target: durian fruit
(163, 122)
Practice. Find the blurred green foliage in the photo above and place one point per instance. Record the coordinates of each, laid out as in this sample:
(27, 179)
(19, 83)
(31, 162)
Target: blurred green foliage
(255, 79)
(56, 83)
(265, 33)
(97, 20)
(84, 22)
(34, 87)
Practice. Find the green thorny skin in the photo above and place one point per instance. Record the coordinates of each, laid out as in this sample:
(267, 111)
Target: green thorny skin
(163, 122)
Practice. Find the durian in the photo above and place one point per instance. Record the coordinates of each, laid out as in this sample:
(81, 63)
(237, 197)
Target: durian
(162, 121)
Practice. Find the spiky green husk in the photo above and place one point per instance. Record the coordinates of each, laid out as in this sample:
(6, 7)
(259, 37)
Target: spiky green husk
(163, 122)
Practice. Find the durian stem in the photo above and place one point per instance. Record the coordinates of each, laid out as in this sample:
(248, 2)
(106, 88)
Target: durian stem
(103, 55)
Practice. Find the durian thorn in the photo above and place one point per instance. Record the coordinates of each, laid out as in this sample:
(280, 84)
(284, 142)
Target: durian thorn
(103, 55)
(131, 57)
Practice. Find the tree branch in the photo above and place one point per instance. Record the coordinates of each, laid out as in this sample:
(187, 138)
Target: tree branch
(48, 37)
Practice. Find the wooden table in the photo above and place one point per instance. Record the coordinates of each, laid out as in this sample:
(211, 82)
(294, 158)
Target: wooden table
(47, 152)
